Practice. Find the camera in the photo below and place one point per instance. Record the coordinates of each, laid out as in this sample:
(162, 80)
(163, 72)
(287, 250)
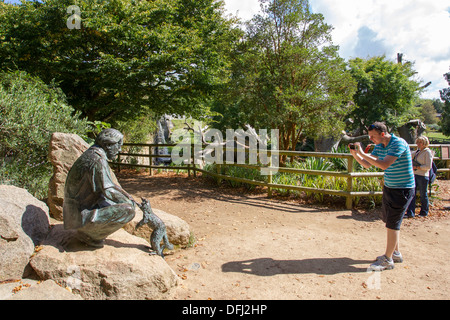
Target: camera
(369, 148)
(352, 146)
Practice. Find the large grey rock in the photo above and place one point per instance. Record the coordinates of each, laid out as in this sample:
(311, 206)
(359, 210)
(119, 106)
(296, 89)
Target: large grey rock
(46, 290)
(24, 223)
(178, 230)
(9, 288)
(122, 269)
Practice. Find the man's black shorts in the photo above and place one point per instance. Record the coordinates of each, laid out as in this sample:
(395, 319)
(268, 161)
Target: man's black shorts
(395, 202)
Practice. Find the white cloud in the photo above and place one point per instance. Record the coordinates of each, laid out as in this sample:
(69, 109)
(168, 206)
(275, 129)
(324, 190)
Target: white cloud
(244, 9)
(417, 28)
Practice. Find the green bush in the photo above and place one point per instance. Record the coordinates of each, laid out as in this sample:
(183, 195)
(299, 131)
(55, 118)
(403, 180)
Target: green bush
(30, 111)
(326, 182)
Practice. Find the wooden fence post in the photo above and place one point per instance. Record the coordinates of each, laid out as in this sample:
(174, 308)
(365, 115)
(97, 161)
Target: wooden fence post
(447, 162)
(193, 161)
(349, 199)
(150, 159)
(219, 171)
(269, 178)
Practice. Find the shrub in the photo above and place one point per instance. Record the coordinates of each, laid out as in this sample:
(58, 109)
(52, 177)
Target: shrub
(30, 111)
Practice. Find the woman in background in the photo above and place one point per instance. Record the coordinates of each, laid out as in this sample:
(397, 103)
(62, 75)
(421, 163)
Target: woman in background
(422, 161)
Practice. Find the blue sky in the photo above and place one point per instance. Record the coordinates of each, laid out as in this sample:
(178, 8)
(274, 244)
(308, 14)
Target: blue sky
(417, 28)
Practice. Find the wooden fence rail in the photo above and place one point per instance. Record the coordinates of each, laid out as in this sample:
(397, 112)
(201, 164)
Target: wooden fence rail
(350, 175)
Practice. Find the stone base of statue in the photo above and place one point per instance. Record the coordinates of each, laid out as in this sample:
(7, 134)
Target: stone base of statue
(122, 269)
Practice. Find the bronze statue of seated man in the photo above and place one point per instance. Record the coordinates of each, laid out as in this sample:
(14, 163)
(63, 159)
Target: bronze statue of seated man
(93, 204)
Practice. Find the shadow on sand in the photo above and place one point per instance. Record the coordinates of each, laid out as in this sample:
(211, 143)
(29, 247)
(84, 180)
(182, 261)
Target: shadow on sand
(269, 267)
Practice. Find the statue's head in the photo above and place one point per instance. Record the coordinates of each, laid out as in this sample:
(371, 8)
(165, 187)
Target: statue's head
(111, 141)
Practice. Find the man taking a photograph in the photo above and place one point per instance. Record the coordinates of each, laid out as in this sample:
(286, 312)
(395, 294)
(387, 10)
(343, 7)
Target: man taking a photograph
(391, 154)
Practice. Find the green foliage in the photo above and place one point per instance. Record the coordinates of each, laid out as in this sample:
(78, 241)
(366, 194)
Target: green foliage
(323, 182)
(287, 75)
(97, 126)
(30, 111)
(129, 58)
(433, 128)
(238, 172)
(438, 105)
(138, 130)
(428, 112)
(386, 92)
(445, 96)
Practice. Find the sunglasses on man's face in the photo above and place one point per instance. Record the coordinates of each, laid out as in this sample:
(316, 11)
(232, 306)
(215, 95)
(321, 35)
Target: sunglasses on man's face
(374, 127)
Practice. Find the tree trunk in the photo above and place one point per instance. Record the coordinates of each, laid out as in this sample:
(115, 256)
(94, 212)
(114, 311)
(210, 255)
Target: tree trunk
(411, 130)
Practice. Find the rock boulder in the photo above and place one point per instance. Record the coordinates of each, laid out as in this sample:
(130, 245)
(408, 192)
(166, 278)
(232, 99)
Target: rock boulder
(64, 150)
(178, 230)
(24, 224)
(122, 269)
(45, 290)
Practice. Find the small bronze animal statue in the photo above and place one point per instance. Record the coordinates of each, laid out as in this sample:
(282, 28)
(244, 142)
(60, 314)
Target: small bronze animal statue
(158, 227)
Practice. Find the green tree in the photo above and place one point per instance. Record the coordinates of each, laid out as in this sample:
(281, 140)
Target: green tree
(438, 105)
(287, 75)
(427, 112)
(386, 91)
(129, 58)
(445, 96)
(30, 111)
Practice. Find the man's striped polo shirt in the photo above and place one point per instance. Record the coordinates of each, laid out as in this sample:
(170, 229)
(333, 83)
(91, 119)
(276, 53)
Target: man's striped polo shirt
(400, 174)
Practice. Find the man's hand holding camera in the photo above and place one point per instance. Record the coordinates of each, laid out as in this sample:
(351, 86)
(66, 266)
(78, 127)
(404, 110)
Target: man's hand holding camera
(354, 148)
(358, 153)
(357, 147)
